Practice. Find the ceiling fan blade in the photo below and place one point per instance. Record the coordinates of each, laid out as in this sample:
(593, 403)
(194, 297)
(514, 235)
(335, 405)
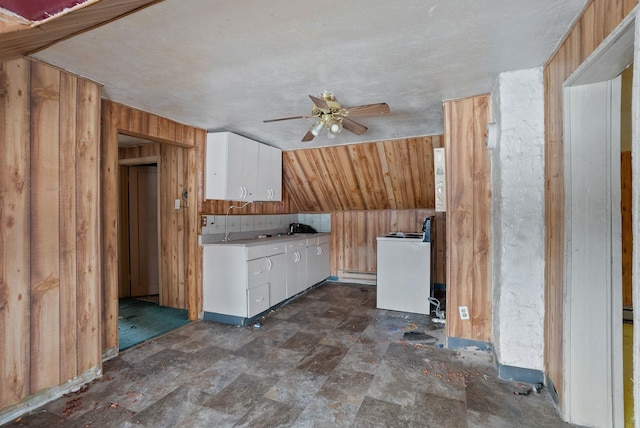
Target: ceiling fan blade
(369, 109)
(307, 137)
(353, 126)
(319, 102)
(284, 118)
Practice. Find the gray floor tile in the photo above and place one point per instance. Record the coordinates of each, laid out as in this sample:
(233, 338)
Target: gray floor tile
(327, 359)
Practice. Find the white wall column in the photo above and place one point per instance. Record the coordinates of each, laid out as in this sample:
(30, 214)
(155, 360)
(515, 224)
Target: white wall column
(517, 156)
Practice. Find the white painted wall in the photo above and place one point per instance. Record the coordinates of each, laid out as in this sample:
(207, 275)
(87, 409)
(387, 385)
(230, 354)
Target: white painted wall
(518, 218)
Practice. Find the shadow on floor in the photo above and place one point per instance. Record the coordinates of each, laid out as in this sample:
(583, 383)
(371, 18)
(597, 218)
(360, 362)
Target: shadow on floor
(140, 320)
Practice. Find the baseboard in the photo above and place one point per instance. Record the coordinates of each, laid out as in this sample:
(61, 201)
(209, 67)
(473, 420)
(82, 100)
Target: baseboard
(43, 397)
(520, 374)
(551, 388)
(459, 343)
(357, 277)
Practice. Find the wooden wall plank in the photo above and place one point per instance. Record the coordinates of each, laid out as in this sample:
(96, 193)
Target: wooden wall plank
(68, 229)
(468, 217)
(45, 232)
(109, 224)
(88, 221)
(481, 314)
(15, 238)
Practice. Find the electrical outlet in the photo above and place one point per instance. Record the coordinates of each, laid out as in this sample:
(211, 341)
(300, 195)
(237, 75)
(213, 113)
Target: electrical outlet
(203, 220)
(464, 312)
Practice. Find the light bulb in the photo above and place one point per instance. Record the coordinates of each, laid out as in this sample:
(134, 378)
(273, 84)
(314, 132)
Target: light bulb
(316, 128)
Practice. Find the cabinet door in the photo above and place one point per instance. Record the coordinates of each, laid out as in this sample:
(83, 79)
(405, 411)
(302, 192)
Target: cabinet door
(301, 270)
(231, 168)
(292, 275)
(250, 170)
(277, 266)
(322, 262)
(269, 173)
(257, 300)
(275, 174)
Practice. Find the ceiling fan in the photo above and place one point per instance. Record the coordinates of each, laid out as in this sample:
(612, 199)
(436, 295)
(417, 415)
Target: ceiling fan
(331, 115)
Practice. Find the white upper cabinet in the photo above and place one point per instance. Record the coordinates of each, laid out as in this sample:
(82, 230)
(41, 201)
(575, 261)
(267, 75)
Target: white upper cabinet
(269, 173)
(233, 169)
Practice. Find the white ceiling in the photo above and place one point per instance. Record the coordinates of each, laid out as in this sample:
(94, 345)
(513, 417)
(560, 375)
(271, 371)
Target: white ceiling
(227, 65)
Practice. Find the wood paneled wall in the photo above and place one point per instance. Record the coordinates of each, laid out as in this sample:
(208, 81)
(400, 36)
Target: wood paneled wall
(395, 175)
(627, 228)
(181, 148)
(598, 19)
(354, 233)
(370, 189)
(49, 235)
(468, 217)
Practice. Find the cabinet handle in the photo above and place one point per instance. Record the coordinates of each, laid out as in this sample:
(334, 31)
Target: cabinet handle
(319, 251)
(260, 300)
(269, 264)
(257, 273)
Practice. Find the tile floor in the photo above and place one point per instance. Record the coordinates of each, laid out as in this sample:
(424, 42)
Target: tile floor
(327, 359)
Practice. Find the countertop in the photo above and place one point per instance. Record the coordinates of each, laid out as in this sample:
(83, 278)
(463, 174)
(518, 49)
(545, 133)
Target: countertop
(260, 241)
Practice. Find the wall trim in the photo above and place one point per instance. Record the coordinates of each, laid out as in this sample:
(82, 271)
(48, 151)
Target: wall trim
(461, 343)
(520, 374)
(46, 396)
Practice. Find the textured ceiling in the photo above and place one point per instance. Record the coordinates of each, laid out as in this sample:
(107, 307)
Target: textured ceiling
(223, 65)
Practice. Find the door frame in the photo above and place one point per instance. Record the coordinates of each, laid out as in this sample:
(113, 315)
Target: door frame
(147, 160)
(603, 65)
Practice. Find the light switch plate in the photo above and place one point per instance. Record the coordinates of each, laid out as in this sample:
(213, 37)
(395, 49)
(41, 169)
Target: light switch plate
(177, 204)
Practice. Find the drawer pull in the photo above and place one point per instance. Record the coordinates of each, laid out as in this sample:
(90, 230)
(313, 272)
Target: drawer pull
(260, 300)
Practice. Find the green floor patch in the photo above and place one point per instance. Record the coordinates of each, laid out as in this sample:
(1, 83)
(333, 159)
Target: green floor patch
(139, 321)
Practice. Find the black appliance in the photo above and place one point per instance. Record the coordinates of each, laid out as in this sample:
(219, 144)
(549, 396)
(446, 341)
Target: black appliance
(301, 228)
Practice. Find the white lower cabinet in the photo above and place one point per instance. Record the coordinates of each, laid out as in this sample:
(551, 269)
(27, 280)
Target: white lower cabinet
(296, 267)
(317, 259)
(241, 281)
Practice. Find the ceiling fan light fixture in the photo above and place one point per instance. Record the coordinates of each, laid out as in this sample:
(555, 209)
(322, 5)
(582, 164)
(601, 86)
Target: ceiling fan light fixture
(335, 126)
(316, 128)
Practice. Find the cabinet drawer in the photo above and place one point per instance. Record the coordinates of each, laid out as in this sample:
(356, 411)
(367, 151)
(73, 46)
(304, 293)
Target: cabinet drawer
(317, 240)
(256, 251)
(275, 248)
(257, 272)
(293, 246)
(257, 300)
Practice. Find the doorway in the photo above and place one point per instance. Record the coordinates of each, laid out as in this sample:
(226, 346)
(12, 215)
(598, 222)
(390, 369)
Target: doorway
(592, 352)
(144, 278)
(140, 314)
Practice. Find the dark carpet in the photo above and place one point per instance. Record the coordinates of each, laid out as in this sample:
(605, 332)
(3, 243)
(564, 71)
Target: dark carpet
(139, 321)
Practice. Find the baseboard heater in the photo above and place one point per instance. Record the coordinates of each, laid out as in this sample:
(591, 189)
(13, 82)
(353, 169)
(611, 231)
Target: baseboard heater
(357, 276)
